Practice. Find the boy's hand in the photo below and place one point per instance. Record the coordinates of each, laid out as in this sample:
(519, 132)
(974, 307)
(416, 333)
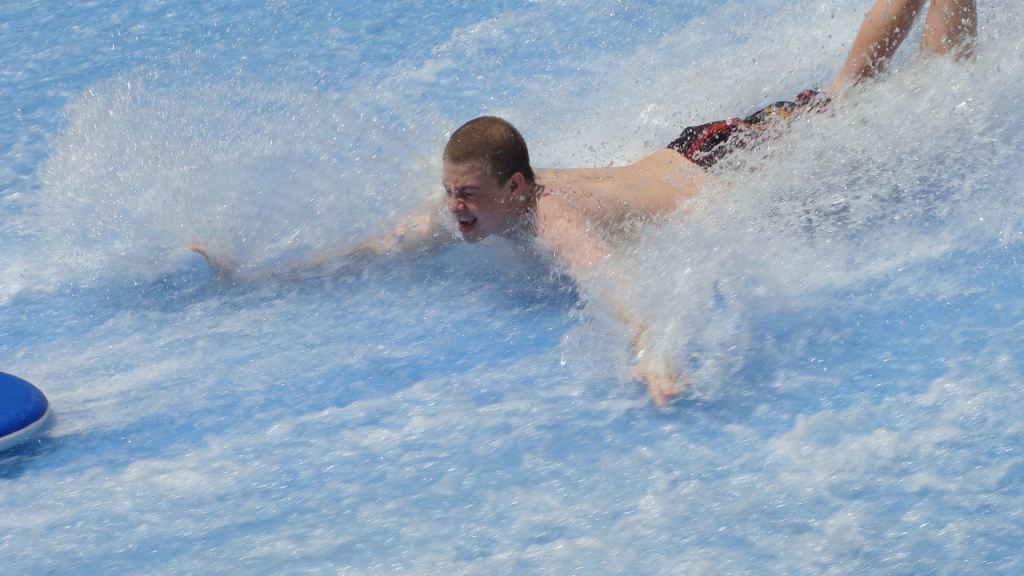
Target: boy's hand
(223, 270)
(663, 379)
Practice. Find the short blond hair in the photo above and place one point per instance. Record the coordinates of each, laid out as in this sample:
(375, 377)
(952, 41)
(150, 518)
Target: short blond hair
(492, 142)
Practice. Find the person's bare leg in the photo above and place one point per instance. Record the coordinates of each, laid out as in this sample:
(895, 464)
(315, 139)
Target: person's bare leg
(883, 30)
(950, 25)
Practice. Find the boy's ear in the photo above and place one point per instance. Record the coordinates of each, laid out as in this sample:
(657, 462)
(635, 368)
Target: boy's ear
(518, 182)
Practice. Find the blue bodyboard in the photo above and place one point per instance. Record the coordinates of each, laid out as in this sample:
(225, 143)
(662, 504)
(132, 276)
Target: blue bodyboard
(23, 409)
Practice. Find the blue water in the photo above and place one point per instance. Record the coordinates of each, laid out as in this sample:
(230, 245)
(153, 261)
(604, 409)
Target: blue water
(847, 302)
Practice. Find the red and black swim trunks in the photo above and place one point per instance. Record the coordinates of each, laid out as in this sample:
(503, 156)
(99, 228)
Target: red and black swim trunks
(706, 144)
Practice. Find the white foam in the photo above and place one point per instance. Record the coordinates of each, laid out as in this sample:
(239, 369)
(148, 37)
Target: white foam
(848, 308)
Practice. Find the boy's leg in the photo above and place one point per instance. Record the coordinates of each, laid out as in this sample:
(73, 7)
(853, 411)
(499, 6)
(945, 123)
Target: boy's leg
(882, 32)
(951, 24)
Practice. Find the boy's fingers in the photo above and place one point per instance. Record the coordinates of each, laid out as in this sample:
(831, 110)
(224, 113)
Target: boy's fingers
(660, 385)
(636, 373)
(658, 399)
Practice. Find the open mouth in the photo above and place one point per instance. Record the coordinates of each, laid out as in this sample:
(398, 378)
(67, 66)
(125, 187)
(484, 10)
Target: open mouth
(466, 223)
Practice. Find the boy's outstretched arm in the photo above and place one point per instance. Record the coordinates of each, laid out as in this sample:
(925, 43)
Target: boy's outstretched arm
(419, 232)
(583, 254)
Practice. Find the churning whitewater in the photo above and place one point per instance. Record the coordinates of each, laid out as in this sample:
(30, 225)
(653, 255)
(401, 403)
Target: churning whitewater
(846, 301)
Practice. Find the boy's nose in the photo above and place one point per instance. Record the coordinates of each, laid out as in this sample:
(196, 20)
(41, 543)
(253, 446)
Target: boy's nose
(454, 205)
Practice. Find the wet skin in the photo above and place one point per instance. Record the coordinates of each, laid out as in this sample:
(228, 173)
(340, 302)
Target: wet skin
(480, 205)
(586, 197)
(567, 212)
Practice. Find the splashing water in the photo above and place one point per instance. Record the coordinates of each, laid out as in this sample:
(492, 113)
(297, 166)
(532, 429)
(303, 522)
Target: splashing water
(847, 300)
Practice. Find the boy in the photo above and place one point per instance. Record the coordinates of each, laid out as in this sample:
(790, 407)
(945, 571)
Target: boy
(491, 188)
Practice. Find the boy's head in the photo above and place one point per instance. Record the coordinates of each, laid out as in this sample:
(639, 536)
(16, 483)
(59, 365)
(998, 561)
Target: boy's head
(486, 177)
(492, 144)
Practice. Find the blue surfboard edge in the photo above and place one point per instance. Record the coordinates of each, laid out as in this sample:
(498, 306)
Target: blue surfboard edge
(24, 409)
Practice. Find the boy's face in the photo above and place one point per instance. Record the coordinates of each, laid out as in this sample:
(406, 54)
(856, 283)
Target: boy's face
(480, 205)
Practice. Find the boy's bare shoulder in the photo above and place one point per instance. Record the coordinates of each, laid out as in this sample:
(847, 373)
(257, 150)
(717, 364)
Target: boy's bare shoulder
(563, 229)
(555, 213)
